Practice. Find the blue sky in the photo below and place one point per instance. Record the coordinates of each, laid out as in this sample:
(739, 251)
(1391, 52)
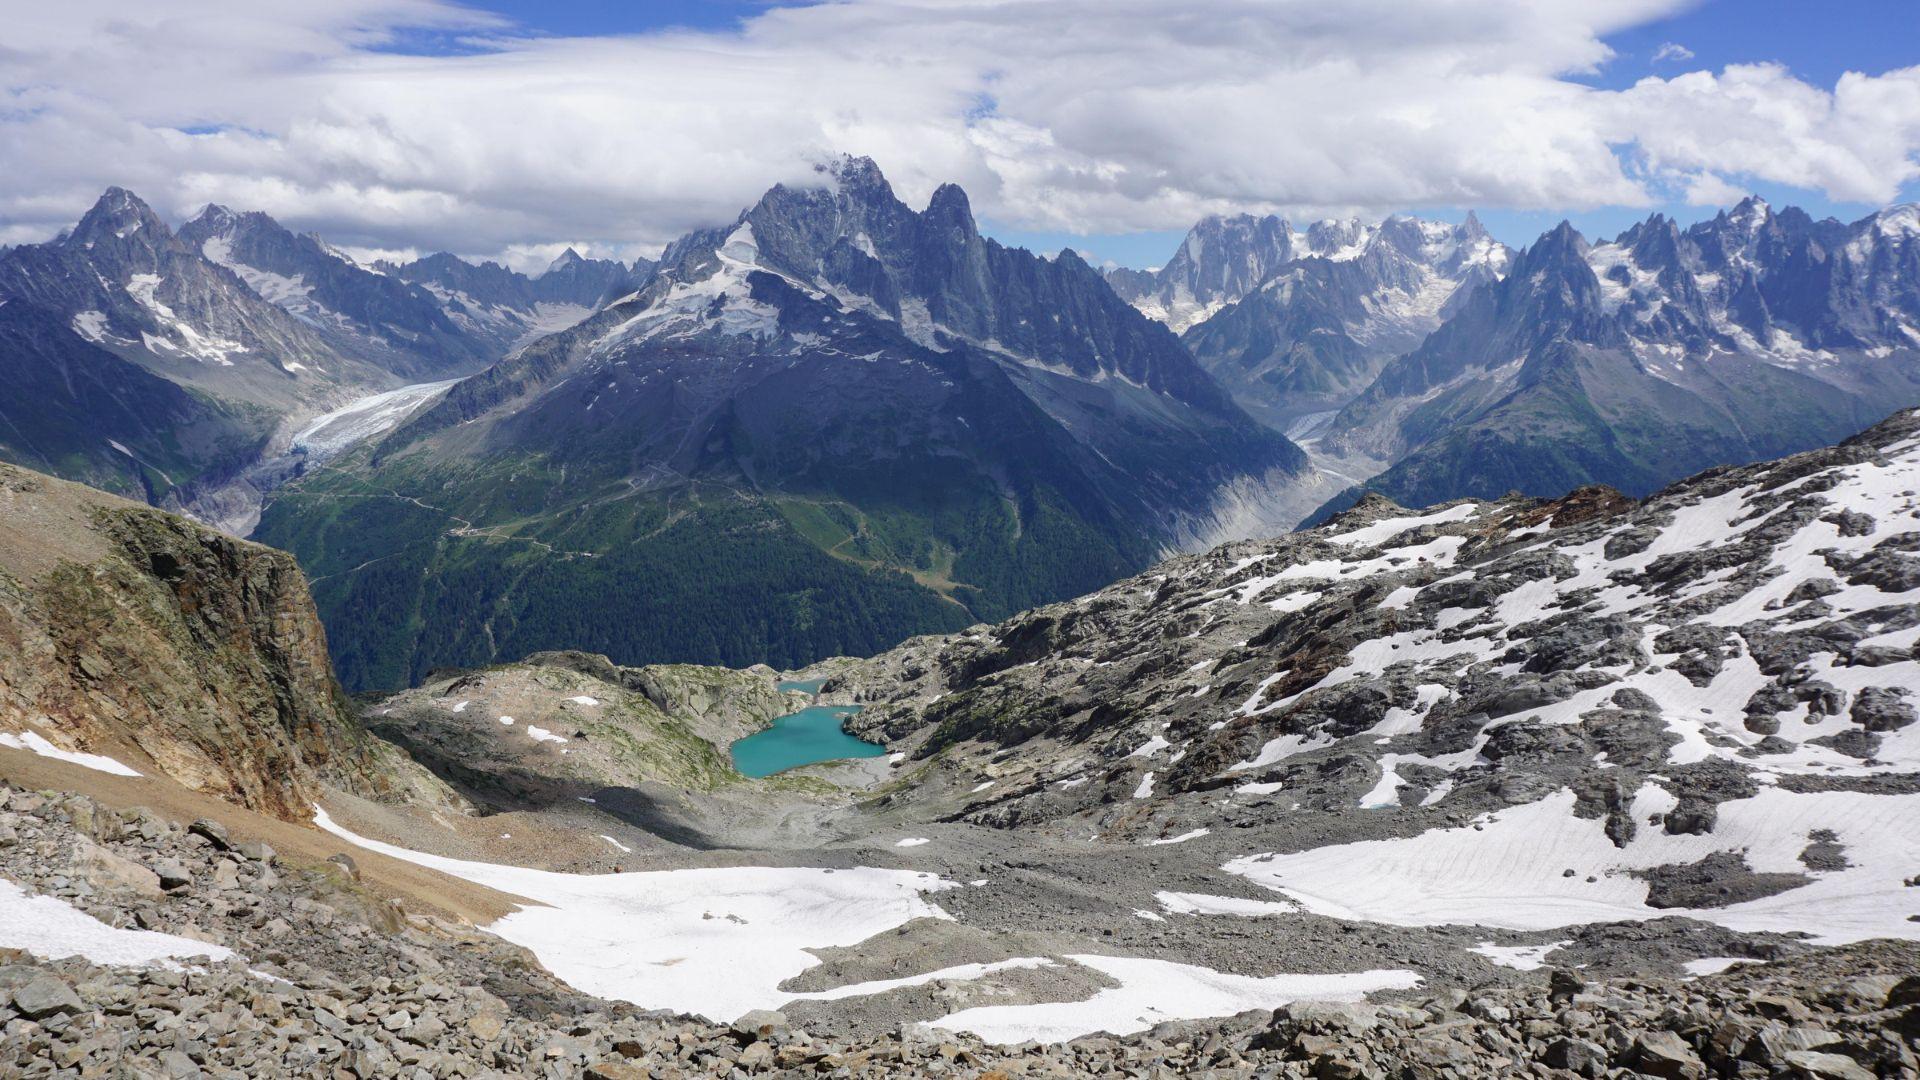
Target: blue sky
(1817, 42)
(572, 18)
(511, 129)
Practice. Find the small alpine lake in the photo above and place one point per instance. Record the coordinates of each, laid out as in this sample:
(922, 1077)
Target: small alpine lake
(813, 734)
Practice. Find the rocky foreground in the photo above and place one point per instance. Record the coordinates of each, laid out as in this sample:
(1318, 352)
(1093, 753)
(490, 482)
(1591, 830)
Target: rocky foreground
(307, 974)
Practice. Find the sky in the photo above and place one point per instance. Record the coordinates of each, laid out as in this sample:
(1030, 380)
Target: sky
(512, 128)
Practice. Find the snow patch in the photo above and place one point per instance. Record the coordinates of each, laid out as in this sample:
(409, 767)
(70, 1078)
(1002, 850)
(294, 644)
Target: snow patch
(52, 929)
(33, 741)
(714, 941)
(1155, 991)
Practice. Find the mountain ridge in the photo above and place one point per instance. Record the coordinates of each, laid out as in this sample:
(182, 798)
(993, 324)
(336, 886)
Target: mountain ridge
(980, 426)
(1637, 360)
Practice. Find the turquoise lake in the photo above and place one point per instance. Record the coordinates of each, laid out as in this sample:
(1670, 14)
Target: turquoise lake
(805, 686)
(802, 738)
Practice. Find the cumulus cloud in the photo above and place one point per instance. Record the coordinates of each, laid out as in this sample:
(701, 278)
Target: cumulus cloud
(1077, 115)
(1671, 51)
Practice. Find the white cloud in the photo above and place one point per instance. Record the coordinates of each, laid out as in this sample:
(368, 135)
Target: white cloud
(1858, 142)
(1671, 51)
(1079, 115)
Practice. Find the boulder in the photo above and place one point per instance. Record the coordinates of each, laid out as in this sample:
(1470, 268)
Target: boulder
(44, 996)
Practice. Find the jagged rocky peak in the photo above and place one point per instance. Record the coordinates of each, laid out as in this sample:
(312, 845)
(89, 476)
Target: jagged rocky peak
(1750, 214)
(120, 217)
(215, 217)
(564, 260)
(1556, 270)
(1900, 222)
(239, 240)
(1337, 238)
(1305, 334)
(849, 217)
(1233, 253)
(1757, 332)
(1221, 260)
(931, 272)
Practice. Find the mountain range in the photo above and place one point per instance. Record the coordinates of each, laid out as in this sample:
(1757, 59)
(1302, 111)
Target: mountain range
(872, 421)
(1432, 363)
(176, 367)
(1591, 786)
(1297, 322)
(1636, 361)
(832, 423)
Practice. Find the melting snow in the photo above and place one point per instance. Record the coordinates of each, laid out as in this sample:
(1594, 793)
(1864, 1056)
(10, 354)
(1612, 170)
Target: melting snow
(713, 941)
(1507, 869)
(1194, 834)
(31, 740)
(1154, 991)
(52, 929)
(1520, 957)
(1185, 903)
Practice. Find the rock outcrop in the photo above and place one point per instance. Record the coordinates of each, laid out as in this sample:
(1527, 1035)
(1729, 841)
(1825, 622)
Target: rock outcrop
(178, 650)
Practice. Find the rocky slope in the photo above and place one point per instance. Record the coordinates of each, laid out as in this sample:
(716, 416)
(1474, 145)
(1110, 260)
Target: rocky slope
(1296, 323)
(1664, 351)
(981, 429)
(357, 311)
(293, 968)
(558, 726)
(509, 308)
(182, 367)
(1703, 704)
(175, 650)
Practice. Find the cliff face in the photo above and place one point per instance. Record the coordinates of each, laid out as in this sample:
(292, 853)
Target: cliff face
(177, 650)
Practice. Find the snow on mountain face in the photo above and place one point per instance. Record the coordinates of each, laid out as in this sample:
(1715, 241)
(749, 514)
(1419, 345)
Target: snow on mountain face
(1224, 259)
(1297, 322)
(129, 284)
(1635, 361)
(361, 313)
(1221, 260)
(1741, 284)
(847, 242)
(1522, 714)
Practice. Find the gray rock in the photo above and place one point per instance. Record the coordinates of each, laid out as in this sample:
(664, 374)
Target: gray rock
(760, 1024)
(1576, 1055)
(1663, 1053)
(173, 876)
(45, 996)
(213, 832)
(1883, 708)
(1828, 1066)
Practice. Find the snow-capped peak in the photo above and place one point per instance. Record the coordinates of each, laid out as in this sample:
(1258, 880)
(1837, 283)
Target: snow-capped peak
(216, 216)
(1752, 213)
(562, 261)
(1897, 222)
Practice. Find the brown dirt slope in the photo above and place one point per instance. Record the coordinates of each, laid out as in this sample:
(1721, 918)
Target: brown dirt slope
(179, 650)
